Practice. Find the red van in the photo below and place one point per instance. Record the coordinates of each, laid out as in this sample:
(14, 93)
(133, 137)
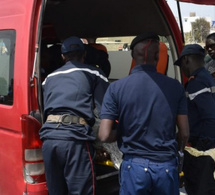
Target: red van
(26, 25)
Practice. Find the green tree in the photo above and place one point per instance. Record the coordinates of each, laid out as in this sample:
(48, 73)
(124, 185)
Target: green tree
(200, 30)
(188, 37)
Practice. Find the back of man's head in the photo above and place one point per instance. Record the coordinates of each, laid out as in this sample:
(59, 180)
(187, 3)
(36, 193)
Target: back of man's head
(145, 48)
(73, 49)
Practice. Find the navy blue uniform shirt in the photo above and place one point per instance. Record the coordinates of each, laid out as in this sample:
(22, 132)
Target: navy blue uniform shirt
(74, 89)
(146, 104)
(201, 104)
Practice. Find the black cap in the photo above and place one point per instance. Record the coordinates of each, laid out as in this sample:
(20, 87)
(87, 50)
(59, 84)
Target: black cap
(72, 44)
(190, 49)
(144, 36)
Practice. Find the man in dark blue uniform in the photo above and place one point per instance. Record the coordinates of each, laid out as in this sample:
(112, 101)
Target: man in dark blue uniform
(199, 158)
(147, 105)
(71, 93)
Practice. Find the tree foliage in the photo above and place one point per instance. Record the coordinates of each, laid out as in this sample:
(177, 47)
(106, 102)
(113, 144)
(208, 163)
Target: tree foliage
(200, 30)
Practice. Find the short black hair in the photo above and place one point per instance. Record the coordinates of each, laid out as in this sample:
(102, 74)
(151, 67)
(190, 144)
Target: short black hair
(142, 37)
(148, 51)
(74, 55)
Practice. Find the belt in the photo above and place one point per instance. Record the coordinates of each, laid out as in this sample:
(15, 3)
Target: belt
(66, 119)
(139, 159)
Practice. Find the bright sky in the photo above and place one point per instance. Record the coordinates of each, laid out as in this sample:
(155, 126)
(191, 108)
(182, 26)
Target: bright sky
(186, 8)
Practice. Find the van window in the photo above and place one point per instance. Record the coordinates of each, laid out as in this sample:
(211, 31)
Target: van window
(7, 49)
(120, 56)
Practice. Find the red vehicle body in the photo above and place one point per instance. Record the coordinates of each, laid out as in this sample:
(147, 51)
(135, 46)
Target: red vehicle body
(21, 29)
(19, 130)
(204, 2)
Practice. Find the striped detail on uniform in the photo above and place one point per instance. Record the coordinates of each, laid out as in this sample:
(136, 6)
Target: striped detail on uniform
(95, 72)
(92, 167)
(193, 95)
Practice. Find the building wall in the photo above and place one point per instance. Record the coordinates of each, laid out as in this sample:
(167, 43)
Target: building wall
(187, 22)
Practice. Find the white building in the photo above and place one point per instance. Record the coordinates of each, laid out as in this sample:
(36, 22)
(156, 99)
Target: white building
(187, 21)
(213, 27)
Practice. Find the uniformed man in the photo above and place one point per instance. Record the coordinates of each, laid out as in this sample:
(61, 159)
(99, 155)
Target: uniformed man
(210, 49)
(147, 105)
(199, 158)
(70, 95)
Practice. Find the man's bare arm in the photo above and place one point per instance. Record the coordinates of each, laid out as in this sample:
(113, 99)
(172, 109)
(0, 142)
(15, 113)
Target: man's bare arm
(106, 132)
(183, 131)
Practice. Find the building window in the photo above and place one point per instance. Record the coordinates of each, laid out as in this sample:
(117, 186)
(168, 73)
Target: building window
(7, 51)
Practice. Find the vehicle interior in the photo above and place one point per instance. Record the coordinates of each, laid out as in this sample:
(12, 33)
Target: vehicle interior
(112, 24)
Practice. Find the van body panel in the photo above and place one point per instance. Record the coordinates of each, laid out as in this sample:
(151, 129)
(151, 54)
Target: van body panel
(204, 2)
(22, 17)
(11, 180)
(174, 29)
(20, 21)
(39, 189)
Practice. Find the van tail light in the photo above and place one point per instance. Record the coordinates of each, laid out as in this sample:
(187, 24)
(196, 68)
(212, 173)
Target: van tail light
(33, 166)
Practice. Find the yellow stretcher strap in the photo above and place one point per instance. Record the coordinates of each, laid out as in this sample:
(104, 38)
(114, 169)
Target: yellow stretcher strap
(197, 153)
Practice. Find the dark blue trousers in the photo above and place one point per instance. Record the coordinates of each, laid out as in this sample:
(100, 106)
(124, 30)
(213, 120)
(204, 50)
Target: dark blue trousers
(141, 176)
(69, 167)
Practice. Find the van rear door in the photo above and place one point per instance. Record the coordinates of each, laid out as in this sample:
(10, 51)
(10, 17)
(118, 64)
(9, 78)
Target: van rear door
(19, 163)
